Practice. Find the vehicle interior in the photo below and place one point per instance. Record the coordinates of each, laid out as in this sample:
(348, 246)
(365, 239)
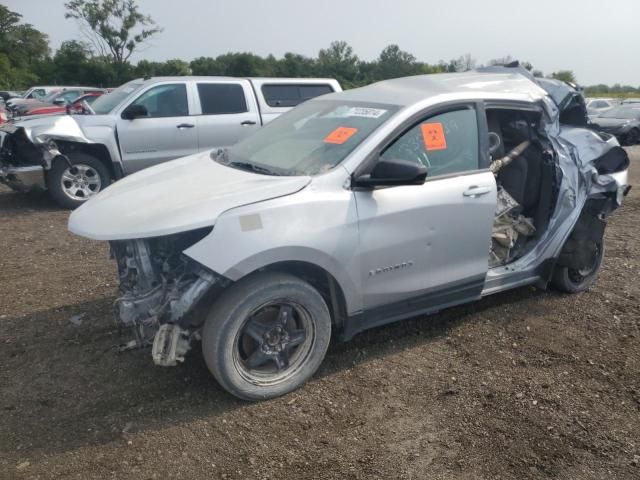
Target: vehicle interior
(524, 164)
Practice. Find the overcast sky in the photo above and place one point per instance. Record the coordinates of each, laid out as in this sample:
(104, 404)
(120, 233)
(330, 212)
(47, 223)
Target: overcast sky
(598, 40)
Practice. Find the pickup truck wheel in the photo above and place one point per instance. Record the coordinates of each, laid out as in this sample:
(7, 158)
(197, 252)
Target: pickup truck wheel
(571, 280)
(266, 335)
(72, 185)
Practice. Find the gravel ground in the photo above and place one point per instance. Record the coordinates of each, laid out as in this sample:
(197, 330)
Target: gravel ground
(525, 384)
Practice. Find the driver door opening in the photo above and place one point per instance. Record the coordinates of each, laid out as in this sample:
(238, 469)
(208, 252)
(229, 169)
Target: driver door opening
(524, 164)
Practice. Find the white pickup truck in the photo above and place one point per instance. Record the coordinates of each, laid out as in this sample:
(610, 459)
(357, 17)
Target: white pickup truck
(142, 123)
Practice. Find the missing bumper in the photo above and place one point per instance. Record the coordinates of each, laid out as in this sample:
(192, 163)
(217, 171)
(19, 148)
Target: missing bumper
(160, 292)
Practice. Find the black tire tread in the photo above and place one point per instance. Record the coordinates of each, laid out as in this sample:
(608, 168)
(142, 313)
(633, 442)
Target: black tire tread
(219, 328)
(561, 280)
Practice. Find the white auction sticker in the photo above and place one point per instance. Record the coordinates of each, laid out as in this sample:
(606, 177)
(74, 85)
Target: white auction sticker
(366, 112)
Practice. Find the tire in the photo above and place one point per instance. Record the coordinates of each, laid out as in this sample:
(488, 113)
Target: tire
(569, 280)
(86, 177)
(245, 344)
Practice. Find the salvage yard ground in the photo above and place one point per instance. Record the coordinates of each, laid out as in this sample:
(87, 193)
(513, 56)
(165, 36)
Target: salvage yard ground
(525, 384)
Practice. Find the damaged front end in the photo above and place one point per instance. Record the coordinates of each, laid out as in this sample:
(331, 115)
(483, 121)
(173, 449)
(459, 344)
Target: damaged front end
(161, 290)
(29, 148)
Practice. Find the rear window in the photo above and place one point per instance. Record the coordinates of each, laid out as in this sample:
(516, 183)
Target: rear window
(290, 95)
(222, 98)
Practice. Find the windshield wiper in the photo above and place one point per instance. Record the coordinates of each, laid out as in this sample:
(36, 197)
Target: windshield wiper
(252, 167)
(221, 156)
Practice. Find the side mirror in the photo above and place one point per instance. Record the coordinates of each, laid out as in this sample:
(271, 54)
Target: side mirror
(134, 111)
(393, 173)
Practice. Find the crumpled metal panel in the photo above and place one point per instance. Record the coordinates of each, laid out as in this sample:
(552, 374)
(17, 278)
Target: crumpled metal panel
(43, 129)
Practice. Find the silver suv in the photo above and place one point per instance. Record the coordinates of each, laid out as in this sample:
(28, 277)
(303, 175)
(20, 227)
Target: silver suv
(354, 210)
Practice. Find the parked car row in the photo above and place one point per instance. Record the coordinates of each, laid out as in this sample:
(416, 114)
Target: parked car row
(140, 124)
(619, 117)
(623, 121)
(61, 98)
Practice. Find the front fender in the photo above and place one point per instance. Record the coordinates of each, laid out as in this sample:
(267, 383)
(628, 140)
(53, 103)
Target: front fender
(317, 225)
(304, 255)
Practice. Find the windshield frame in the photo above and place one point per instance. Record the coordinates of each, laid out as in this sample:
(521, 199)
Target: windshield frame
(120, 95)
(228, 159)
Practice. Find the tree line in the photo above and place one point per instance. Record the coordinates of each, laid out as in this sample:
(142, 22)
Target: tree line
(112, 30)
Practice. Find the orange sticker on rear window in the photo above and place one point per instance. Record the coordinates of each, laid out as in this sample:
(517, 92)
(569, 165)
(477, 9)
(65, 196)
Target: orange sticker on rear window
(340, 135)
(433, 136)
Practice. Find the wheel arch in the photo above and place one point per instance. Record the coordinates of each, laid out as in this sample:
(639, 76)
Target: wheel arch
(97, 150)
(321, 279)
(588, 228)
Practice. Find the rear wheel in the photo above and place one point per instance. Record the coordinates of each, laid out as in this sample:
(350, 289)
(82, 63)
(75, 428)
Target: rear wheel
(573, 280)
(266, 335)
(72, 184)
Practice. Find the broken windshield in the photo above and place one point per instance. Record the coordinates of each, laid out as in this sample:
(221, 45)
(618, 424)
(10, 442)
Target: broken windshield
(310, 139)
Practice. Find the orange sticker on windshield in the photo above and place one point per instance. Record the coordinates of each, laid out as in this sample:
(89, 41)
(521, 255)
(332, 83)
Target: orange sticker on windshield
(433, 136)
(340, 135)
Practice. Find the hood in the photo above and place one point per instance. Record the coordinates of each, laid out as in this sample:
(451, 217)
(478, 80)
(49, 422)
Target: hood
(39, 129)
(176, 196)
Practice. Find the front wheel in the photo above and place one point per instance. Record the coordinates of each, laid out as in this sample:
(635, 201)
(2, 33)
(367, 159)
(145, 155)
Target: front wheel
(73, 183)
(266, 335)
(573, 280)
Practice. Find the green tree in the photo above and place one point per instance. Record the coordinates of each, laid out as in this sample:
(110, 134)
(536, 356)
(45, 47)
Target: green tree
(69, 64)
(564, 75)
(393, 63)
(174, 67)
(295, 65)
(102, 72)
(115, 28)
(339, 61)
(243, 65)
(205, 66)
(8, 21)
(22, 47)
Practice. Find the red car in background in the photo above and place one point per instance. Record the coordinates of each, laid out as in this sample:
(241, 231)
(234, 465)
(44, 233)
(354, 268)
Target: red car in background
(74, 107)
(3, 115)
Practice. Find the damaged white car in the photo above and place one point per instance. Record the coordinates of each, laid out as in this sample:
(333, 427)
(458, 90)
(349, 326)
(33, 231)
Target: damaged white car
(354, 210)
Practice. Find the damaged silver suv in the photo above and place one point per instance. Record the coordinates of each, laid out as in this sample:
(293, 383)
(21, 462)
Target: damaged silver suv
(354, 210)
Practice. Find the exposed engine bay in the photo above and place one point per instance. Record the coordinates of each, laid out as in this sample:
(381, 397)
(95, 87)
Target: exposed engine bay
(525, 175)
(160, 289)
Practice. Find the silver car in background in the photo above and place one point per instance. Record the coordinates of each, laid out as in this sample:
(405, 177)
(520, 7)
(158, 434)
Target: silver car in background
(354, 210)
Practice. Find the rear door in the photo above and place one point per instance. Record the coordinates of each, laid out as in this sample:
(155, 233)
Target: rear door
(166, 133)
(427, 246)
(226, 112)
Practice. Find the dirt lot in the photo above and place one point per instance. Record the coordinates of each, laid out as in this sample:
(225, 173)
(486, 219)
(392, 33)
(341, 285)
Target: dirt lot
(527, 384)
